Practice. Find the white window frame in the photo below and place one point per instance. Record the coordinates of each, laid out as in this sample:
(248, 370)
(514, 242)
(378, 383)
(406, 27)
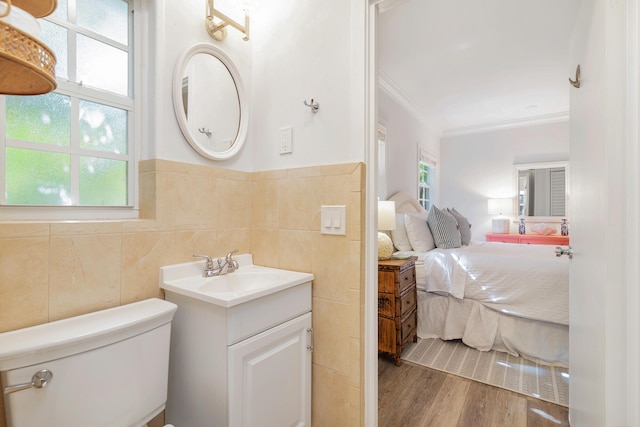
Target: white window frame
(75, 89)
(430, 161)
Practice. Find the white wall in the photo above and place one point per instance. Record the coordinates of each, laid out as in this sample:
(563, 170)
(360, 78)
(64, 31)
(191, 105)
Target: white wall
(174, 28)
(404, 134)
(298, 51)
(304, 50)
(476, 167)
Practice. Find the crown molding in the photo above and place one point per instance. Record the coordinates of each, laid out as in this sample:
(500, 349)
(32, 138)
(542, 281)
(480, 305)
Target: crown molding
(508, 124)
(387, 85)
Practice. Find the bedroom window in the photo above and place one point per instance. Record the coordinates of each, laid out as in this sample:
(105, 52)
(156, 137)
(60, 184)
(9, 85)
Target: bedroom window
(74, 146)
(426, 179)
(424, 188)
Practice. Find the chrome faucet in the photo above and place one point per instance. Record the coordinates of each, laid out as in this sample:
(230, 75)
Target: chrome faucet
(232, 264)
(229, 266)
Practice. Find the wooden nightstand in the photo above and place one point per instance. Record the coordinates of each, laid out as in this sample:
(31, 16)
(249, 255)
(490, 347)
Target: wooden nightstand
(396, 306)
(528, 239)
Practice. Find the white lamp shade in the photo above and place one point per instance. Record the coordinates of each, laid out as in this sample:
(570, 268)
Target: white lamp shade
(500, 206)
(386, 215)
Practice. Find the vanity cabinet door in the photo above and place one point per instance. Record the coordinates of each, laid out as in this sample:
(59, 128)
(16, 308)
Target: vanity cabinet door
(270, 377)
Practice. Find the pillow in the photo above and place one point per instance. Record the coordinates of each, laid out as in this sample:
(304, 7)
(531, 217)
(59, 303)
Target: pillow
(419, 233)
(463, 226)
(399, 235)
(444, 228)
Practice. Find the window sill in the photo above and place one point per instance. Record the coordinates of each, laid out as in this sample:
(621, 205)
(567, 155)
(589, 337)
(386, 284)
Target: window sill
(66, 213)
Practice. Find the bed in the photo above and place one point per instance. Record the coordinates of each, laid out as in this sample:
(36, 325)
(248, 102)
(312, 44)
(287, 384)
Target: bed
(493, 296)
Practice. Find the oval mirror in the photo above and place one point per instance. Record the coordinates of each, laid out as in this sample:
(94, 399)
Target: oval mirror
(209, 102)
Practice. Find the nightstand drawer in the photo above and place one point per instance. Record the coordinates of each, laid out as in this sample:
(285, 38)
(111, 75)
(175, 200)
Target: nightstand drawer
(392, 281)
(407, 301)
(408, 328)
(405, 279)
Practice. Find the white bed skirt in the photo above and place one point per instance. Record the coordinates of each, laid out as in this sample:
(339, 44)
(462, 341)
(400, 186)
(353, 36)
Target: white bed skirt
(486, 329)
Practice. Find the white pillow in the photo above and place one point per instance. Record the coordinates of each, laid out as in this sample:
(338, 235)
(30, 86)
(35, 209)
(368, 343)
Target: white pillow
(399, 235)
(418, 232)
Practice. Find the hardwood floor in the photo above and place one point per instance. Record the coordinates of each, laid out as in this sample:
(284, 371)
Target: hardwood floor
(411, 395)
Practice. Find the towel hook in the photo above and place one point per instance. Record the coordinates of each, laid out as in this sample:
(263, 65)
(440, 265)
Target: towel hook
(314, 105)
(205, 131)
(576, 83)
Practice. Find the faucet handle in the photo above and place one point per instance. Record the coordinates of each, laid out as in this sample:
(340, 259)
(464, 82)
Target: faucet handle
(232, 264)
(209, 261)
(230, 254)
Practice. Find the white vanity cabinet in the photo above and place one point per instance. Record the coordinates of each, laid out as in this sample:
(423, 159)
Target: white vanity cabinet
(239, 364)
(270, 377)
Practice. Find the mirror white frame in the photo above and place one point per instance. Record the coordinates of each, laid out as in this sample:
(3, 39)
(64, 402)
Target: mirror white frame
(547, 165)
(179, 107)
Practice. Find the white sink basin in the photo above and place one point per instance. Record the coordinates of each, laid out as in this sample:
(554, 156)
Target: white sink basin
(245, 284)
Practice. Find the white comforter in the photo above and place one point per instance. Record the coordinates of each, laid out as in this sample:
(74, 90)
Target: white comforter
(527, 281)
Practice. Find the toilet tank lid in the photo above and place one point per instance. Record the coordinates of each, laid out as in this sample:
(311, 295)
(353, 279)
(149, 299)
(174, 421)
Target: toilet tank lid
(62, 338)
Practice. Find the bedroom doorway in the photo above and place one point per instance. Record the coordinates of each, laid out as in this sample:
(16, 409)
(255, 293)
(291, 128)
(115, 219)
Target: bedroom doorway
(606, 135)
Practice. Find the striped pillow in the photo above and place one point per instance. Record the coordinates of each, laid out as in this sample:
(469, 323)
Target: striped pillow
(463, 226)
(444, 228)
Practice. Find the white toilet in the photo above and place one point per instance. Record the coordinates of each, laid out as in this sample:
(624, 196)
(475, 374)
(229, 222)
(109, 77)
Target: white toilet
(103, 369)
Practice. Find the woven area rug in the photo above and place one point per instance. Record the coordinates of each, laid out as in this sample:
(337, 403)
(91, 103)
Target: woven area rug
(492, 367)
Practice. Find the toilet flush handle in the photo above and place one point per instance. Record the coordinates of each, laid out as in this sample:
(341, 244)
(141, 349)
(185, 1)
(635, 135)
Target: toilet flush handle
(38, 380)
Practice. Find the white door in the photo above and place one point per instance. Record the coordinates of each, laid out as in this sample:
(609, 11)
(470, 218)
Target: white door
(270, 377)
(599, 337)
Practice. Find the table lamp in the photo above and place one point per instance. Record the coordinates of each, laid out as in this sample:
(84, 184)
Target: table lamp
(386, 222)
(500, 224)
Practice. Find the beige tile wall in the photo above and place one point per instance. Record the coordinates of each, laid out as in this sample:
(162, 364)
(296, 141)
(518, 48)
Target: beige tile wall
(50, 271)
(285, 224)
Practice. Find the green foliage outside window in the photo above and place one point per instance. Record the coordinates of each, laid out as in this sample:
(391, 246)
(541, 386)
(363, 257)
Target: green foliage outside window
(424, 184)
(63, 149)
(37, 177)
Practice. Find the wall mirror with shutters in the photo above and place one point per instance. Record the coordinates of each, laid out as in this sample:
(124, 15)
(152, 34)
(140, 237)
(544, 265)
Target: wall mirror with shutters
(542, 190)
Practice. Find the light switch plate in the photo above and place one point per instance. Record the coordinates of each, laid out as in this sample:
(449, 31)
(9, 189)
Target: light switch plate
(286, 140)
(333, 219)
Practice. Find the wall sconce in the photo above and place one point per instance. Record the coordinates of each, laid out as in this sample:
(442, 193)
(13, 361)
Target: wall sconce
(500, 224)
(386, 221)
(27, 66)
(219, 31)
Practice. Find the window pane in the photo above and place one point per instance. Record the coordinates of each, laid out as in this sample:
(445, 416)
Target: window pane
(103, 182)
(61, 10)
(102, 66)
(55, 37)
(103, 128)
(37, 177)
(42, 118)
(106, 17)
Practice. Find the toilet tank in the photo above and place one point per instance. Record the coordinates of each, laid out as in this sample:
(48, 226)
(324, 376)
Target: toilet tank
(109, 368)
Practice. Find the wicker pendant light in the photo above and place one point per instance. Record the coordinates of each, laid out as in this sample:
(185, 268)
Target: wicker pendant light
(27, 66)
